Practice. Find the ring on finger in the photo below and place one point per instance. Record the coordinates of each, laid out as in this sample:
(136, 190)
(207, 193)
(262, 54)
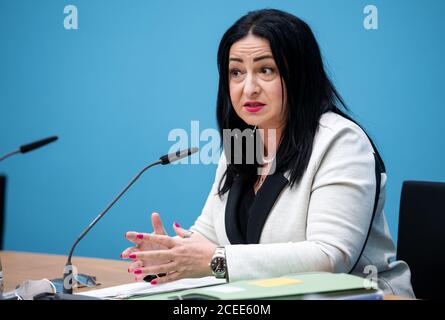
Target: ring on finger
(188, 234)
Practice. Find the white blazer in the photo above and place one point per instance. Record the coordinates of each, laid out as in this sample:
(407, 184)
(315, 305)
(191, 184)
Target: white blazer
(320, 224)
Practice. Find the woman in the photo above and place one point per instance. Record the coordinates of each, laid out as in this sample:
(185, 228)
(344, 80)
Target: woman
(318, 206)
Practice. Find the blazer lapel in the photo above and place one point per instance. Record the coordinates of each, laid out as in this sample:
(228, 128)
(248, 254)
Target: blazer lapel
(232, 227)
(264, 201)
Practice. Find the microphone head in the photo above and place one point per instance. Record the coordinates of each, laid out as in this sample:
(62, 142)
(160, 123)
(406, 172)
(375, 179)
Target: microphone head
(178, 155)
(34, 145)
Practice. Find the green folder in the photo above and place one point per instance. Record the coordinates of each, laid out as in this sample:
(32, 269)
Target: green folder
(295, 286)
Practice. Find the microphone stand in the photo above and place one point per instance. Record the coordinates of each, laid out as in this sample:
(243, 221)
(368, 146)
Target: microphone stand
(166, 159)
(68, 270)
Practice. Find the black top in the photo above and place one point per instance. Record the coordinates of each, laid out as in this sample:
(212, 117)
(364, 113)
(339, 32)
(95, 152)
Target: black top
(246, 213)
(244, 208)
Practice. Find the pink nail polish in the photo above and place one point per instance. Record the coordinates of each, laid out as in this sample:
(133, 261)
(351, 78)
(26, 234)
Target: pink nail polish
(132, 256)
(153, 282)
(140, 236)
(177, 225)
(138, 271)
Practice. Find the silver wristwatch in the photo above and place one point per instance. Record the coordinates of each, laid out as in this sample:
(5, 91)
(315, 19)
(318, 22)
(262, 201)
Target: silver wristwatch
(218, 263)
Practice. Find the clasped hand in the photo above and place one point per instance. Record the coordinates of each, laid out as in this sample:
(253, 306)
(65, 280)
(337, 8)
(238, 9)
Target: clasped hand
(177, 257)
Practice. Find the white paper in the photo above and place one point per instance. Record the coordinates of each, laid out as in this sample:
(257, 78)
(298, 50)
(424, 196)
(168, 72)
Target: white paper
(145, 288)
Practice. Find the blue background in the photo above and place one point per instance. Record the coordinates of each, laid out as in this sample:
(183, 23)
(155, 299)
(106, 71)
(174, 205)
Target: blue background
(134, 70)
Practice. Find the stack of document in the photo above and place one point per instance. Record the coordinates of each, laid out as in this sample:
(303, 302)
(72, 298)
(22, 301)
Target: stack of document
(304, 286)
(146, 289)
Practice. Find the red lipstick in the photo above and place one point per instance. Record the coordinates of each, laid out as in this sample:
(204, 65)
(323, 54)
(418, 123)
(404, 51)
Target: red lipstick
(254, 106)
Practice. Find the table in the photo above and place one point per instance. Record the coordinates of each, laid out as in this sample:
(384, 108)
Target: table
(21, 266)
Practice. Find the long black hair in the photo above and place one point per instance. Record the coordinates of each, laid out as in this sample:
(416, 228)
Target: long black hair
(310, 92)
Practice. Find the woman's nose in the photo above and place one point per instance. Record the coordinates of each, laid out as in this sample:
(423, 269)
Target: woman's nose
(251, 87)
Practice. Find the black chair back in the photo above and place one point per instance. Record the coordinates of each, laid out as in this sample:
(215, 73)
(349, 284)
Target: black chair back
(421, 236)
(2, 207)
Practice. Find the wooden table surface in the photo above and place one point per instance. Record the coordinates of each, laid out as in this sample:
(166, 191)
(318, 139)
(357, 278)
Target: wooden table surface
(21, 266)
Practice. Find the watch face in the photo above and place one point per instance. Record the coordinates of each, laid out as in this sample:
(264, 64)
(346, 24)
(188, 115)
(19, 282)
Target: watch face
(218, 264)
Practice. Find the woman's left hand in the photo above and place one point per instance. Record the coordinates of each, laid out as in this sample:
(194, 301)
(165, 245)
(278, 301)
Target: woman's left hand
(187, 257)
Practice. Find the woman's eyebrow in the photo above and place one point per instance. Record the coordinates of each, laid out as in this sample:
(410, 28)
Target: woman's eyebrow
(262, 58)
(254, 59)
(236, 59)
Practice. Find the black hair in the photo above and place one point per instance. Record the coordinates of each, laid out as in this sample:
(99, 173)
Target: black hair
(310, 92)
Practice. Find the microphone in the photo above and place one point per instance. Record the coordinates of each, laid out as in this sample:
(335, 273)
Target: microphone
(166, 159)
(178, 155)
(29, 147)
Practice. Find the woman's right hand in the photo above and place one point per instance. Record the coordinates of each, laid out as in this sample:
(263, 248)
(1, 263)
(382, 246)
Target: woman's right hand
(144, 246)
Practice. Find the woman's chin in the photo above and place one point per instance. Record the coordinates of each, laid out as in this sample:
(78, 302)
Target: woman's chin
(253, 120)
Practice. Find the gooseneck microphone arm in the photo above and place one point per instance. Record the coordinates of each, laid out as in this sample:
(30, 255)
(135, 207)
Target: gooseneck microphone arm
(169, 158)
(9, 154)
(96, 220)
